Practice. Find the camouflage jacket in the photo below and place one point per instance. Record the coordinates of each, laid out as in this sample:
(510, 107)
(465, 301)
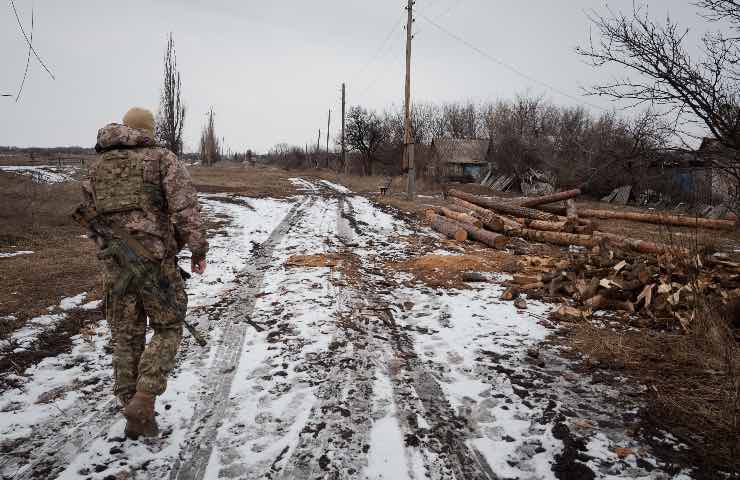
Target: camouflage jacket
(165, 215)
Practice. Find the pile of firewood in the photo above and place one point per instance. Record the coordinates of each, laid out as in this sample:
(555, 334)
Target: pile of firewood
(493, 221)
(662, 290)
(657, 282)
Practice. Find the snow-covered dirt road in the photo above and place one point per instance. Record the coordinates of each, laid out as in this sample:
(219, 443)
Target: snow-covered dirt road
(324, 363)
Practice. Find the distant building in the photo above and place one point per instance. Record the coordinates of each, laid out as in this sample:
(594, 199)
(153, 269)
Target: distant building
(719, 162)
(455, 159)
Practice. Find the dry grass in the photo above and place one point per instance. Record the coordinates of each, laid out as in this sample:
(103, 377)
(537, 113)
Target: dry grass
(248, 181)
(35, 217)
(319, 260)
(692, 387)
(693, 377)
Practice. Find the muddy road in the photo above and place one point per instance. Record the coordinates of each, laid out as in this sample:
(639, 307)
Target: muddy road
(324, 363)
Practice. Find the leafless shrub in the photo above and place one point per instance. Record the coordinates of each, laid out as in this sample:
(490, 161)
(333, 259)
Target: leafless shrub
(699, 92)
(210, 146)
(171, 114)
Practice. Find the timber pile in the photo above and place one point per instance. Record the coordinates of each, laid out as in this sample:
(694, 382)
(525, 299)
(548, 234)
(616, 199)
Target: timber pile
(534, 219)
(654, 281)
(655, 290)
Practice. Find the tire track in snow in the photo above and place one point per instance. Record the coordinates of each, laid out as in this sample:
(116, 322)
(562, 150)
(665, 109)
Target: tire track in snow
(195, 455)
(336, 437)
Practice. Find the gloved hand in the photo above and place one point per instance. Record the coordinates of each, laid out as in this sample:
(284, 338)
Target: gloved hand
(198, 265)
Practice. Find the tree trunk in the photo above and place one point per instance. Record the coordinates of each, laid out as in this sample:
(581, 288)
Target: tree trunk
(659, 218)
(545, 199)
(460, 217)
(656, 218)
(642, 246)
(493, 240)
(557, 238)
(489, 219)
(447, 227)
(506, 208)
(542, 225)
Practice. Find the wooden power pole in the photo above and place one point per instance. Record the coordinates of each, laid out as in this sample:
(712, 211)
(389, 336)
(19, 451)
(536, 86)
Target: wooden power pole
(408, 150)
(344, 155)
(328, 125)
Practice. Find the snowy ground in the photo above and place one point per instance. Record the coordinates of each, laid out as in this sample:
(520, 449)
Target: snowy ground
(328, 372)
(44, 173)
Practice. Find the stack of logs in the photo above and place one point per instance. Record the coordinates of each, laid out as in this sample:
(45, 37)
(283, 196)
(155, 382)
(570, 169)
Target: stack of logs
(493, 221)
(659, 290)
(657, 281)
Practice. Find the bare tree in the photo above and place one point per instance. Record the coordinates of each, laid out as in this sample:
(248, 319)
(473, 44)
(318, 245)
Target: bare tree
(460, 120)
(171, 115)
(698, 92)
(365, 134)
(210, 146)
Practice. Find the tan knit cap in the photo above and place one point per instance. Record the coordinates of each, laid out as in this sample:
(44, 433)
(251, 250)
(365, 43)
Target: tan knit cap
(141, 119)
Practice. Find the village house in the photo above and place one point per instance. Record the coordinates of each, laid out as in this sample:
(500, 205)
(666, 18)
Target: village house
(460, 160)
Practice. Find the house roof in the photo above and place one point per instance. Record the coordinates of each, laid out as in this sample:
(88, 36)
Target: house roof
(457, 150)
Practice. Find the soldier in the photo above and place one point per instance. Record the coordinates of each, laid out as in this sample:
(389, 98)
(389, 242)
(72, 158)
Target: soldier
(147, 197)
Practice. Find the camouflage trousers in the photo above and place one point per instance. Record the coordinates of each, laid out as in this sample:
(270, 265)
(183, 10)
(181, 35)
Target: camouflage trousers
(138, 366)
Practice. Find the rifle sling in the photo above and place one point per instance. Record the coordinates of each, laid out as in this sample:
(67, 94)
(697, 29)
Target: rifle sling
(91, 216)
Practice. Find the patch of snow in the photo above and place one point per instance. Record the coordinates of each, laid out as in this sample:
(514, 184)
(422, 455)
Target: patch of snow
(55, 384)
(303, 185)
(386, 457)
(70, 303)
(23, 338)
(336, 187)
(91, 305)
(15, 254)
(40, 173)
(230, 251)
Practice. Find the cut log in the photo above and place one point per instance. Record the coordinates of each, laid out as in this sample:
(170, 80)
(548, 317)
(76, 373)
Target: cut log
(447, 227)
(493, 240)
(473, 277)
(637, 245)
(557, 238)
(457, 208)
(506, 208)
(525, 279)
(460, 217)
(510, 294)
(545, 199)
(489, 219)
(603, 303)
(660, 219)
(542, 225)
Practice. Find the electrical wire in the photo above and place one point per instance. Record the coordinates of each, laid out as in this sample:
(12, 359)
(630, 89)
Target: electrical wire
(30, 45)
(28, 62)
(379, 52)
(506, 65)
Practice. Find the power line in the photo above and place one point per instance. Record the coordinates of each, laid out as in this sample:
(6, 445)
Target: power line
(30, 46)
(380, 49)
(507, 66)
(28, 62)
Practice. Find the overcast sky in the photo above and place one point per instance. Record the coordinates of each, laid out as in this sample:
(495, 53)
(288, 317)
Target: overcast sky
(271, 69)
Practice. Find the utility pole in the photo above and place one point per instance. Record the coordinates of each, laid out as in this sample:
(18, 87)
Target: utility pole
(344, 155)
(408, 150)
(318, 150)
(328, 125)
